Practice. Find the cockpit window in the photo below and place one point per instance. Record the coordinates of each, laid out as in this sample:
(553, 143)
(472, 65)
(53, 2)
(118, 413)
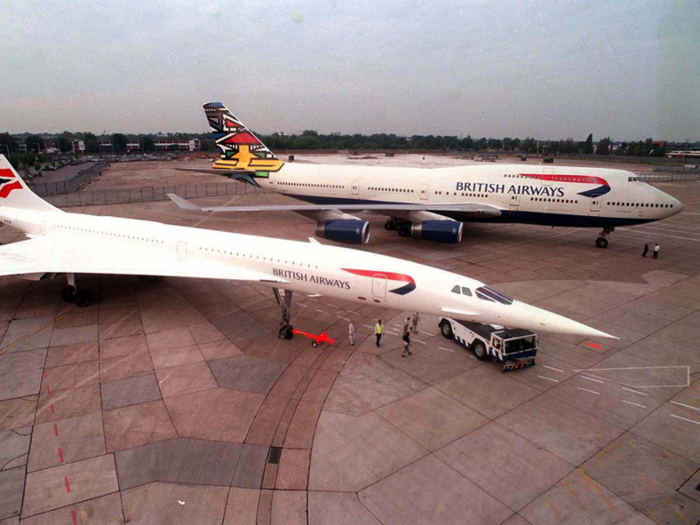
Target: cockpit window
(632, 179)
(489, 294)
(466, 291)
(455, 289)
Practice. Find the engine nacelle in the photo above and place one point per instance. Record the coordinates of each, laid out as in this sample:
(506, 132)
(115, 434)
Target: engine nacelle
(344, 230)
(438, 231)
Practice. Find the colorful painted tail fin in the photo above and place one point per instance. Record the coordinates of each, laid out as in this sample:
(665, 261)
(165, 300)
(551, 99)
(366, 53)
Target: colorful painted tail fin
(14, 192)
(240, 149)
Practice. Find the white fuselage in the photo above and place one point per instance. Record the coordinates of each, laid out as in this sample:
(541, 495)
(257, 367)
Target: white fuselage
(153, 248)
(539, 194)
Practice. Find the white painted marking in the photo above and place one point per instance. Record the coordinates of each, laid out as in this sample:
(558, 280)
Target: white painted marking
(552, 368)
(302, 305)
(334, 306)
(635, 404)
(634, 391)
(264, 293)
(419, 341)
(312, 295)
(343, 318)
(549, 379)
(322, 311)
(166, 377)
(446, 349)
(426, 333)
(686, 406)
(586, 390)
(591, 379)
(368, 326)
(389, 332)
(686, 419)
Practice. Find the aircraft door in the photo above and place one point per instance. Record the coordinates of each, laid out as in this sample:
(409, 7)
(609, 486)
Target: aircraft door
(181, 251)
(547, 178)
(424, 192)
(514, 202)
(595, 206)
(379, 287)
(356, 187)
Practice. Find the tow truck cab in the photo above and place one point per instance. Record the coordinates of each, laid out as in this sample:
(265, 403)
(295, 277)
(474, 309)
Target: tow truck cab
(514, 347)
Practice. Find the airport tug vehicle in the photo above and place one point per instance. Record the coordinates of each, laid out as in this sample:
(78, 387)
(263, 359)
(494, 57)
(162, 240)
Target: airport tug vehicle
(514, 348)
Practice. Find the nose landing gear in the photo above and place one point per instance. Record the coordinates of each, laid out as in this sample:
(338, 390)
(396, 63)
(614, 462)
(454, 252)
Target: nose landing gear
(71, 294)
(602, 240)
(284, 299)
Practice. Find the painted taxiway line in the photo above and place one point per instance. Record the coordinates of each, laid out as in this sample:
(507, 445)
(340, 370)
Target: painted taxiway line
(634, 391)
(591, 379)
(426, 333)
(418, 341)
(686, 419)
(446, 349)
(586, 390)
(635, 404)
(686, 406)
(549, 379)
(552, 368)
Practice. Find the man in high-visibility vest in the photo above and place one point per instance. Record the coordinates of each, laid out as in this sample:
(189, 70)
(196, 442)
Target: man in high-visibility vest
(379, 330)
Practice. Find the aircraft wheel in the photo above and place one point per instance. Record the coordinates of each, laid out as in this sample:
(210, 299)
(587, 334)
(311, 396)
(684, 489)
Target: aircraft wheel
(480, 351)
(601, 242)
(390, 225)
(286, 332)
(83, 298)
(68, 294)
(404, 232)
(314, 344)
(446, 330)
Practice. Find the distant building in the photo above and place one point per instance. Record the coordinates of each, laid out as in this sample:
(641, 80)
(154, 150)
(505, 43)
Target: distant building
(133, 146)
(78, 146)
(182, 145)
(106, 146)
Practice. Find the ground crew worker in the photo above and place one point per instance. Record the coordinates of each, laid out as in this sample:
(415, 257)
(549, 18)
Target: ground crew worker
(406, 338)
(352, 332)
(416, 318)
(656, 251)
(646, 250)
(379, 330)
(406, 324)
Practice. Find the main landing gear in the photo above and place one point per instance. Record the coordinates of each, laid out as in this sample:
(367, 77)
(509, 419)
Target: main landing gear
(394, 224)
(284, 299)
(71, 294)
(602, 240)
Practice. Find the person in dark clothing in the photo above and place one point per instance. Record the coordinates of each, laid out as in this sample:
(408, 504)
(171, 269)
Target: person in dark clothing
(656, 251)
(646, 250)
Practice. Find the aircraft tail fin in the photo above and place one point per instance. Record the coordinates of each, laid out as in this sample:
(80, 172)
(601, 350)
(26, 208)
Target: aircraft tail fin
(14, 192)
(243, 155)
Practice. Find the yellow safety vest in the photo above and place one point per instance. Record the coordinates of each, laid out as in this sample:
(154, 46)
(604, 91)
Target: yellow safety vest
(379, 328)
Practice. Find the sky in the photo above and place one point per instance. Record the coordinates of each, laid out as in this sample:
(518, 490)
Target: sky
(549, 69)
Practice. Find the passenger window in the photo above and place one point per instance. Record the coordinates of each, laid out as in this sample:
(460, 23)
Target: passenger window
(455, 289)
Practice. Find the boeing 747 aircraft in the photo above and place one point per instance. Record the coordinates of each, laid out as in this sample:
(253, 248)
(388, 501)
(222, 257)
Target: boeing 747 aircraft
(432, 204)
(72, 243)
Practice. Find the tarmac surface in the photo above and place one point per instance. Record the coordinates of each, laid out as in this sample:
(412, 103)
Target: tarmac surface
(174, 402)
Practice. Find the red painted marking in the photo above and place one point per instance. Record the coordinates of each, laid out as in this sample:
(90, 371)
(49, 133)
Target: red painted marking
(593, 345)
(67, 485)
(7, 188)
(75, 519)
(60, 456)
(48, 389)
(52, 408)
(45, 374)
(55, 429)
(7, 173)
(389, 275)
(585, 179)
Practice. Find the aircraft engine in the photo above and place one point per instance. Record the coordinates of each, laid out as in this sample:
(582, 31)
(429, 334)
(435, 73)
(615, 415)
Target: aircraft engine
(437, 231)
(353, 231)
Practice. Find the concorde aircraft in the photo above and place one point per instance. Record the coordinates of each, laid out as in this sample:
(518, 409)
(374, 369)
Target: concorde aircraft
(432, 204)
(73, 243)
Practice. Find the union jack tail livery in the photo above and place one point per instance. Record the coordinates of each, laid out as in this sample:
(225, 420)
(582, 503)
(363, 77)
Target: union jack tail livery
(14, 192)
(241, 151)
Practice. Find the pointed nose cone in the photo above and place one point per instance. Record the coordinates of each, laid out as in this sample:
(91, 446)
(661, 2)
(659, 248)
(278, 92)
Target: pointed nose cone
(539, 320)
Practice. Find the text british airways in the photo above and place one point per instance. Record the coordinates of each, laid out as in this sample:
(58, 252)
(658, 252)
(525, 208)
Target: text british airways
(514, 189)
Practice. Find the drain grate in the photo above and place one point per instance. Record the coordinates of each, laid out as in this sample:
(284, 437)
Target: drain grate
(274, 455)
